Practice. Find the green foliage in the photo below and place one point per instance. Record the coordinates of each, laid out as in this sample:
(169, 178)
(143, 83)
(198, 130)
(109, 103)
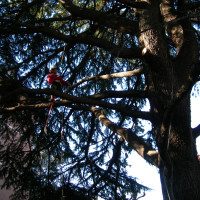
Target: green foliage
(77, 152)
(38, 164)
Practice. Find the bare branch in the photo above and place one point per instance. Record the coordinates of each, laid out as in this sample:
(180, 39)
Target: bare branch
(136, 142)
(108, 76)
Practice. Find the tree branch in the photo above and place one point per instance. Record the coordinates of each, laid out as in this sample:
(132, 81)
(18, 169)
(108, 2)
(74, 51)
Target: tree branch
(35, 70)
(136, 142)
(114, 159)
(108, 76)
(83, 38)
(79, 100)
(196, 132)
(121, 94)
(180, 94)
(116, 22)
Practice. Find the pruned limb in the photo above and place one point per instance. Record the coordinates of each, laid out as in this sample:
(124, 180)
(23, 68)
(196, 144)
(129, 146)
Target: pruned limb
(136, 142)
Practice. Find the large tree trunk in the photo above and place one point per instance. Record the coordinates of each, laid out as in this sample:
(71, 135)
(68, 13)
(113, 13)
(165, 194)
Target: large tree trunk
(168, 79)
(180, 170)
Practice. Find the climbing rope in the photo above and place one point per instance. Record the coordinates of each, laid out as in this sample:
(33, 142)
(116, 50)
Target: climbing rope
(169, 130)
(63, 54)
(61, 155)
(45, 126)
(172, 96)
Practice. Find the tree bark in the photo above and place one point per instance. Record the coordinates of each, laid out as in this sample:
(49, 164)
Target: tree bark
(179, 169)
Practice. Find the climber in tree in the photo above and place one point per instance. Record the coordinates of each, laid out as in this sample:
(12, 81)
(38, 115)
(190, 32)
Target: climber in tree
(55, 80)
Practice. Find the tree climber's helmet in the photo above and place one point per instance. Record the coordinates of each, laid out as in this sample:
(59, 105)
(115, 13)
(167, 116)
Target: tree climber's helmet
(52, 68)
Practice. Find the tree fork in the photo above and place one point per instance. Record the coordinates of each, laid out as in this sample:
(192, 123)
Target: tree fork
(179, 171)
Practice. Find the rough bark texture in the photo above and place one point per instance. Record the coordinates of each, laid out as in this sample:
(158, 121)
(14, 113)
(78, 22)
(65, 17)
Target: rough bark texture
(180, 171)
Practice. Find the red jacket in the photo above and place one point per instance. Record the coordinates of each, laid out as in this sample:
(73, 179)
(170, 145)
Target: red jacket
(53, 77)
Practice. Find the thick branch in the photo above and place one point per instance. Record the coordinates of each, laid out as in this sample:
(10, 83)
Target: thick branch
(136, 142)
(83, 38)
(116, 22)
(122, 94)
(196, 131)
(79, 100)
(189, 83)
(15, 28)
